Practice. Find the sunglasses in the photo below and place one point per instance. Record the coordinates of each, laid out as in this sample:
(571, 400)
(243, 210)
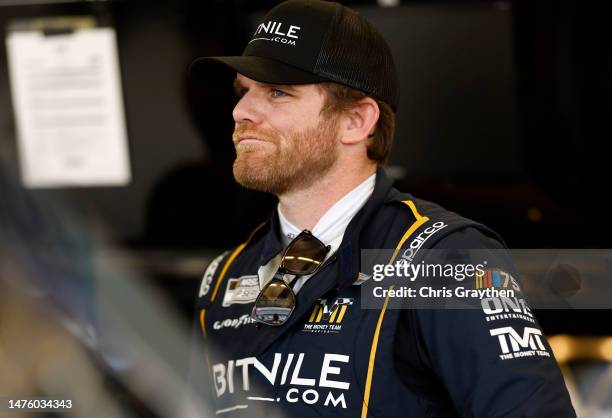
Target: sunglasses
(276, 301)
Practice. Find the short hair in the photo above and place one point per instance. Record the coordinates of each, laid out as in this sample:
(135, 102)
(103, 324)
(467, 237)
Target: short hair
(340, 98)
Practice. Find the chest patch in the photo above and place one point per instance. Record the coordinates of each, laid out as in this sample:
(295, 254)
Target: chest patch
(241, 290)
(327, 315)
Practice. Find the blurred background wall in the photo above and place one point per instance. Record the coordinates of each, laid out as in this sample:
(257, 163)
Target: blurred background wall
(504, 118)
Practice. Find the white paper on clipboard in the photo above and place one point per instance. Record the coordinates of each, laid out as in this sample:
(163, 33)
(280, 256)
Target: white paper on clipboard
(66, 92)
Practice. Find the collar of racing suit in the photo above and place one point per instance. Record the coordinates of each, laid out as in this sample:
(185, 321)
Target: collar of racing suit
(348, 253)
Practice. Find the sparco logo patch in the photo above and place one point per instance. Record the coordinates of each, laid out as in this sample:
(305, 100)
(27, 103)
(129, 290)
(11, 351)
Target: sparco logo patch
(514, 345)
(327, 317)
(276, 32)
(417, 242)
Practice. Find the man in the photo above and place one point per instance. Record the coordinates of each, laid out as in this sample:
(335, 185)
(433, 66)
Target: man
(282, 327)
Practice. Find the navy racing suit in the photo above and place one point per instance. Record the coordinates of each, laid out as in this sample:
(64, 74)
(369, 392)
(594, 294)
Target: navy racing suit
(333, 358)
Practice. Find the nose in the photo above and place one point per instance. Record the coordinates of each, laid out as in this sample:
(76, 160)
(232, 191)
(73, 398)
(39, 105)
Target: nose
(248, 109)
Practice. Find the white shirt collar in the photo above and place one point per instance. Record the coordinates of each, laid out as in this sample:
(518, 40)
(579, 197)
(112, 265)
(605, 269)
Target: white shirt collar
(334, 222)
(330, 228)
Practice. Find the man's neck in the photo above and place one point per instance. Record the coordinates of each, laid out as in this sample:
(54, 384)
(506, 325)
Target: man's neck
(303, 208)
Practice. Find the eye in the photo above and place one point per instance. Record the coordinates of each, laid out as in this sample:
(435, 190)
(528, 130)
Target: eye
(278, 93)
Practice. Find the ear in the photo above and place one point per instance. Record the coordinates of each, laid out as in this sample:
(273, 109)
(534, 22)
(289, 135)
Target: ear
(359, 122)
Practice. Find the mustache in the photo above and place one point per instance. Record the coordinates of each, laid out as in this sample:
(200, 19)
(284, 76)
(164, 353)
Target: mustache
(243, 130)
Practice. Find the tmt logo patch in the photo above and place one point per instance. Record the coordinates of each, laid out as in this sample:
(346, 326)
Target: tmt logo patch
(527, 345)
(327, 318)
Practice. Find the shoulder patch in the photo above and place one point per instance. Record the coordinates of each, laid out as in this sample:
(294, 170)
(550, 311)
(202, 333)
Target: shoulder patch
(209, 274)
(416, 241)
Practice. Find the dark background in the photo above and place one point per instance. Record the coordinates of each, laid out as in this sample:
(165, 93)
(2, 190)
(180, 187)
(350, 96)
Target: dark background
(504, 118)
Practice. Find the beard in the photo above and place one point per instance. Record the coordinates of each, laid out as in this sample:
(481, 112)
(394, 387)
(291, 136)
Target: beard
(280, 165)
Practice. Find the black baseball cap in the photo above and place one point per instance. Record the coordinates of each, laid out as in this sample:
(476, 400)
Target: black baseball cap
(312, 41)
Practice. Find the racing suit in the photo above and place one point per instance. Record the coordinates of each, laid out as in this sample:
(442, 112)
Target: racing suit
(335, 359)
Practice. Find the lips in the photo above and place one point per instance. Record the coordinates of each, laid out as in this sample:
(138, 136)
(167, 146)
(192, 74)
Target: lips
(249, 138)
(246, 135)
(254, 138)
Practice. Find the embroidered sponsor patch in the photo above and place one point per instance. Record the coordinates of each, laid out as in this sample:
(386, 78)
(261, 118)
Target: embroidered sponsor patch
(327, 315)
(515, 345)
(233, 322)
(241, 290)
(496, 279)
(501, 308)
(409, 253)
(209, 274)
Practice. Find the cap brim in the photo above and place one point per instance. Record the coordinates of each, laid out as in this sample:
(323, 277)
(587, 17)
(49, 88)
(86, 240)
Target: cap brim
(264, 70)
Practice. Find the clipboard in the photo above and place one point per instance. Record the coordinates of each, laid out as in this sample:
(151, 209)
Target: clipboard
(68, 103)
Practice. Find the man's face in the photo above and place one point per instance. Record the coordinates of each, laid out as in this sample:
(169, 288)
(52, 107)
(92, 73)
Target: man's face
(283, 141)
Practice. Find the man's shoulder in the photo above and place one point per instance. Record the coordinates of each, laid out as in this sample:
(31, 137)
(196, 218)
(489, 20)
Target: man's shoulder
(216, 269)
(443, 228)
(419, 208)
